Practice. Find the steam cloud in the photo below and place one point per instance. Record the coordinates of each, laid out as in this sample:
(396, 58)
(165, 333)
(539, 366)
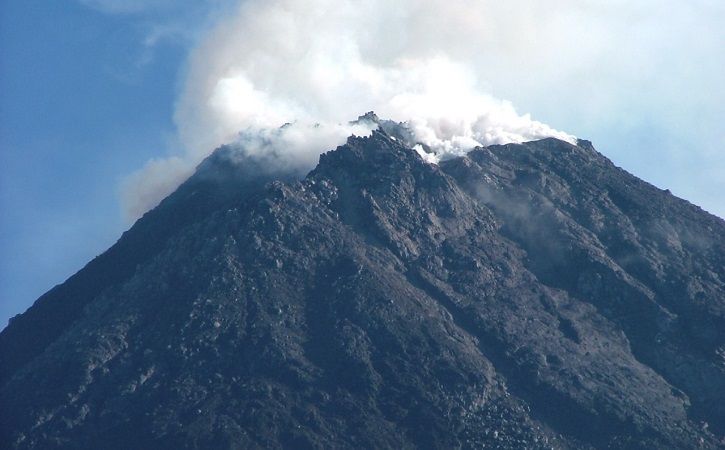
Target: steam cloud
(319, 64)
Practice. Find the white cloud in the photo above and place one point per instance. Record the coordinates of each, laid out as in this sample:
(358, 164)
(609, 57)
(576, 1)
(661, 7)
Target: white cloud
(145, 188)
(281, 61)
(435, 63)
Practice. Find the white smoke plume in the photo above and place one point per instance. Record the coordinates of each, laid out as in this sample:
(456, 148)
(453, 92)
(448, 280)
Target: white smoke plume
(318, 64)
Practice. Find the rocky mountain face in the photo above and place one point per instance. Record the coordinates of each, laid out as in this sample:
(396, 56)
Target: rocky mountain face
(524, 296)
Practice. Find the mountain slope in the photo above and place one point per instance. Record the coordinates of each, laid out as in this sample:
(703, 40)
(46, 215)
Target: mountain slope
(524, 296)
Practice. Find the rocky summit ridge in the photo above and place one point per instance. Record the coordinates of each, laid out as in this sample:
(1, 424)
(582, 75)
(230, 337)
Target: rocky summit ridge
(523, 296)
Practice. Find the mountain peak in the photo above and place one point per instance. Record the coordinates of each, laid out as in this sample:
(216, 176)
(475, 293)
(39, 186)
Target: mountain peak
(376, 152)
(369, 117)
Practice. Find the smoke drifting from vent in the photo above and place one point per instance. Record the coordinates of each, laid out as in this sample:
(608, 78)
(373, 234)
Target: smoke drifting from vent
(318, 64)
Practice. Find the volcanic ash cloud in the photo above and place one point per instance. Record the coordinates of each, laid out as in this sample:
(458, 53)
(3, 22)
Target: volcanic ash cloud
(318, 64)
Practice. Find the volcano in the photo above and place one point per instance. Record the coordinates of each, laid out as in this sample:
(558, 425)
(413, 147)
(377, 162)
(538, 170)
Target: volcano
(522, 296)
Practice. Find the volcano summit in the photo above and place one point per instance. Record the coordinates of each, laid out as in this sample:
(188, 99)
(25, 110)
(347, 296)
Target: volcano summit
(522, 296)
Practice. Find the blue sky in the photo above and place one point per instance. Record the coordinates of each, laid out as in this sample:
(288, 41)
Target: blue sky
(80, 107)
(89, 92)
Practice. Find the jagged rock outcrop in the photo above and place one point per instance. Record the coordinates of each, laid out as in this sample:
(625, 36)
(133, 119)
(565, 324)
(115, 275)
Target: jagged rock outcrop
(524, 296)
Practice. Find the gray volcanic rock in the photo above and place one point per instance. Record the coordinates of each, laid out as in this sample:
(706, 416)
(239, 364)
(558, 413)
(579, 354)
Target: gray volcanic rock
(523, 296)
